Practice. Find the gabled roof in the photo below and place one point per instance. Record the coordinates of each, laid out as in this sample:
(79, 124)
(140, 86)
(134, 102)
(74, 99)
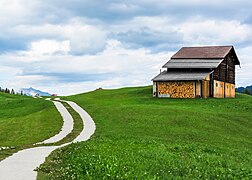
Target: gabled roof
(193, 63)
(181, 75)
(205, 52)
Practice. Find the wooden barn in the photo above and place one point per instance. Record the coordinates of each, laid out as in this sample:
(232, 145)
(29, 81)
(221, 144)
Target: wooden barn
(198, 72)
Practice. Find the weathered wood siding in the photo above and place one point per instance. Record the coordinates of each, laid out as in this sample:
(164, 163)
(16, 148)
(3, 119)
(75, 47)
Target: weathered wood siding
(198, 89)
(205, 88)
(176, 89)
(226, 70)
(222, 89)
(229, 90)
(154, 89)
(231, 71)
(218, 89)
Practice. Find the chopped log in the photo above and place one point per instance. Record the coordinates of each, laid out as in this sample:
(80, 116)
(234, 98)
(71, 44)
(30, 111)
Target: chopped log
(177, 89)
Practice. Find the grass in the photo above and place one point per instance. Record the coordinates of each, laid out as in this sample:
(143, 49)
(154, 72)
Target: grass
(25, 121)
(77, 126)
(138, 136)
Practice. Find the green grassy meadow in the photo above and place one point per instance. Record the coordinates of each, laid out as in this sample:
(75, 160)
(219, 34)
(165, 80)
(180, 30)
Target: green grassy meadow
(142, 137)
(25, 121)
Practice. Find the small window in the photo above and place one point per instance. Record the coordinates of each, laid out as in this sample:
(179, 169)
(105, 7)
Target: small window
(232, 87)
(216, 84)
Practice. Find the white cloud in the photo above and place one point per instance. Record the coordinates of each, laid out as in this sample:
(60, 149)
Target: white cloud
(201, 31)
(48, 47)
(53, 46)
(124, 7)
(19, 81)
(84, 38)
(243, 74)
(7, 73)
(81, 37)
(127, 67)
(15, 12)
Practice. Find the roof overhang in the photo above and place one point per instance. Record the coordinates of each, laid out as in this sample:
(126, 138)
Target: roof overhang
(236, 60)
(203, 52)
(193, 63)
(181, 76)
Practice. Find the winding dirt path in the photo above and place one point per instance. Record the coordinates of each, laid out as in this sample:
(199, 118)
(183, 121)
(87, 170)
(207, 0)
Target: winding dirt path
(89, 125)
(21, 165)
(67, 124)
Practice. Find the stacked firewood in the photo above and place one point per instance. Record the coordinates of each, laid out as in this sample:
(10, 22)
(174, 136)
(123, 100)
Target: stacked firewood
(177, 89)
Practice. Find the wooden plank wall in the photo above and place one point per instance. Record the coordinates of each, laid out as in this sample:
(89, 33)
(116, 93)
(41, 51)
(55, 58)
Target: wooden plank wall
(205, 88)
(177, 89)
(198, 89)
(154, 89)
(219, 90)
(226, 73)
(229, 90)
(231, 71)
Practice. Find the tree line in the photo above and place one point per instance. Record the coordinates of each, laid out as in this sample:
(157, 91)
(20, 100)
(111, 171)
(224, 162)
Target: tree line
(246, 90)
(6, 90)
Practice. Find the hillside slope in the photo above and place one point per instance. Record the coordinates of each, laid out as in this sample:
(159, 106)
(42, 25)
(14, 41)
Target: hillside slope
(247, 90)
(25, 120)
(145, 137)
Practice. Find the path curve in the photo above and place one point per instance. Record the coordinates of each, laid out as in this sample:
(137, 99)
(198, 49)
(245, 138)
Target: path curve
(21, 165)
(89, 125)
(67, 127)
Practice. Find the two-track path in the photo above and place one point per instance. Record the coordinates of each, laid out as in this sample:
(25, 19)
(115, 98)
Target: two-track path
(21, 165)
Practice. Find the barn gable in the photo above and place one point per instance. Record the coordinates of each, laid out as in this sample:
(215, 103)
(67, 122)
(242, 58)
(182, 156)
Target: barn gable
(211, 70)
(206, 52)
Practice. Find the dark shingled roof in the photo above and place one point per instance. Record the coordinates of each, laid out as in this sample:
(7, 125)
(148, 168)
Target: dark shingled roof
(181, 75)
(206, 52)
(193, 63)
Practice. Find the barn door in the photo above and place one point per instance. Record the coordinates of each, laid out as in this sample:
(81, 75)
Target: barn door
(205, 89)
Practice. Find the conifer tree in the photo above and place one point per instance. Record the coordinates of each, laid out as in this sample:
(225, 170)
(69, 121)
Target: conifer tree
(247, 91)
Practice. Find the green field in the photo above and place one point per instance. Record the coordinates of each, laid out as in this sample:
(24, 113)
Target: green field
(25, 121)
(139, 136)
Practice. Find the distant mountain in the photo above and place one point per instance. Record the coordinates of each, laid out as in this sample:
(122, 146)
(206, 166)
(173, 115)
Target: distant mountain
(32, 92)
(244, 89)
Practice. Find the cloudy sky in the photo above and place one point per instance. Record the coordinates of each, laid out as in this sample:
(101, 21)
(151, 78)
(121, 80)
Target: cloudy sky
(72, 46)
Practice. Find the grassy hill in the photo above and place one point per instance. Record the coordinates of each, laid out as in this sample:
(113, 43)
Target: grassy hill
(246, 90)
(149, 138)
(24, 121)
